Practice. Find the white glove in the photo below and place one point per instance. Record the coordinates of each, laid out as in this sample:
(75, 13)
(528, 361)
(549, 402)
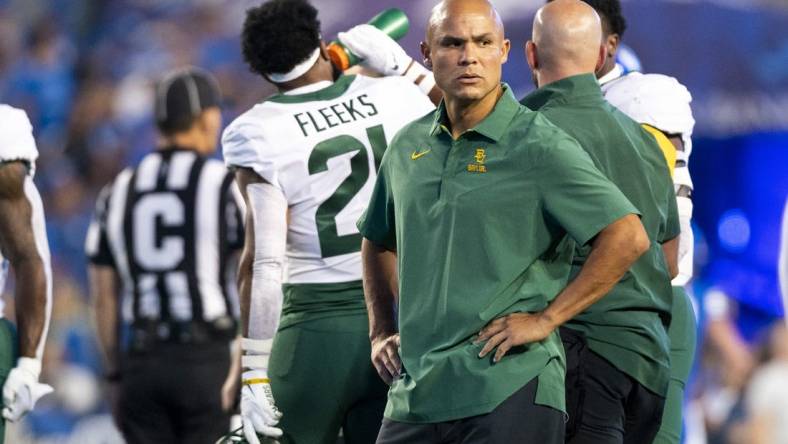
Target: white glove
(376, 49)
(22, 389)
(258, 410)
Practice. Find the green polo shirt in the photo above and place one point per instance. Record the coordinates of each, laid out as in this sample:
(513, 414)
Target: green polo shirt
(628, 327)
(479, 225)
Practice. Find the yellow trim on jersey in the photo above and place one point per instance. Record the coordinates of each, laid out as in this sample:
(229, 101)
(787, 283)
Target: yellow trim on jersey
(256, 381)
(667, 147)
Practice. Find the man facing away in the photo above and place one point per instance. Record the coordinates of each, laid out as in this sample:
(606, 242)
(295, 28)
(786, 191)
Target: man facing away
(306, 161)
(662, 105)
(618, 345)
(162, 247)
(23, 246)
(465, 228)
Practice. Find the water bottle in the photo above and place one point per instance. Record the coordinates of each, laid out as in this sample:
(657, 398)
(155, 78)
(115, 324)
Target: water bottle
(392, 21)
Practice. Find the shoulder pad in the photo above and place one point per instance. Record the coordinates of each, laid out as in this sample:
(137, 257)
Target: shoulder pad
(655, 99)
(16, 136)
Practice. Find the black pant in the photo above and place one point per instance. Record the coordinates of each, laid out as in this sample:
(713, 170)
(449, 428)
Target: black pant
(172, 394)
(516, 420)
(605, 405)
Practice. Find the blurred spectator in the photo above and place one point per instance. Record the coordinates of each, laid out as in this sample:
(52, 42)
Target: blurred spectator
(766, 397)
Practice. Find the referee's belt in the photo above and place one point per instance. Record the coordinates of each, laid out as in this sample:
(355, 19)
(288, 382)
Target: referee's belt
(146, 334)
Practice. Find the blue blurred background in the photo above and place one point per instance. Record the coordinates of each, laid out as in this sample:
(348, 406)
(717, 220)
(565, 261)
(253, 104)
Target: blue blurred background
(83, 71)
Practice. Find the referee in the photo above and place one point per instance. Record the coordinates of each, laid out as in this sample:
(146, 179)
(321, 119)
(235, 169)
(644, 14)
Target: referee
(161, 245)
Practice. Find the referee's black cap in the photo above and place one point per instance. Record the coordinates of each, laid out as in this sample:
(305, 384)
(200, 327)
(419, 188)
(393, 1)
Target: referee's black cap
(182, 95)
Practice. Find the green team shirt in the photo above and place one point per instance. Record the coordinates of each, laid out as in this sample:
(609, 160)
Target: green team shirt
(479, 225)
(628, 327)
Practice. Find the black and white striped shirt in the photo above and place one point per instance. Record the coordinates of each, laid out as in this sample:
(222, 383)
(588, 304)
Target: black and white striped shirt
(170, 228)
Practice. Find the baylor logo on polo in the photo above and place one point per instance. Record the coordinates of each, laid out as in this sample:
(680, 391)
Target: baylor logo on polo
(479, 166)
(480, 156)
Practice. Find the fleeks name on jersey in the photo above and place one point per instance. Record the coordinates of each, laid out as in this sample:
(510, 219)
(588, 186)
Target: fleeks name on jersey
(347, 111)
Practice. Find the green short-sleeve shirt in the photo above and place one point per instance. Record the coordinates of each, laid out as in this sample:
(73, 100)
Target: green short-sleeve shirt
(479, 225)
(628, 326)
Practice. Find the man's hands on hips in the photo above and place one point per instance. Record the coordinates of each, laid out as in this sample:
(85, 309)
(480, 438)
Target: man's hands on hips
(258, 410)
(22, 390)
(385, 357)
(513, 330)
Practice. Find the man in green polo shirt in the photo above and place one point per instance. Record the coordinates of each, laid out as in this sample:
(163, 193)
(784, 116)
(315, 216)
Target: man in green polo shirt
(467, 223)
(627, 351)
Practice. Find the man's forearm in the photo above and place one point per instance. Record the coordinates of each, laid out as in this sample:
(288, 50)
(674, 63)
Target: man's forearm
(103, 288)
(31, 302)
(614, 250)
(380, 287)
(670, 250)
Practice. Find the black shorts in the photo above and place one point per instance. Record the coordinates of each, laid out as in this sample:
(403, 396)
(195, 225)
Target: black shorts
(172, 394)
(517, 420)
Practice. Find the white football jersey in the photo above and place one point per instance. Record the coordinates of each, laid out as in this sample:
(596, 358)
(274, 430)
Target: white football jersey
(661, 102)
(16, 143)
(322, 149)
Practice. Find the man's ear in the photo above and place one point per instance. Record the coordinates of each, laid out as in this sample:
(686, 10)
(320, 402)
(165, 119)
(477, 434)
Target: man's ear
(531, 55)
(425, 53)
(611, 45)
(507, 46)
(600, 61)
(324, 51)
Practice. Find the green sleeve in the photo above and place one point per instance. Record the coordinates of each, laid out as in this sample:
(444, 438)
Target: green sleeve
(673, 225)
(377, 223)
(576, 194)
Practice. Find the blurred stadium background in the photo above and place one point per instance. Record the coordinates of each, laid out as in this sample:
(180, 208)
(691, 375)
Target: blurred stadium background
(83, 71)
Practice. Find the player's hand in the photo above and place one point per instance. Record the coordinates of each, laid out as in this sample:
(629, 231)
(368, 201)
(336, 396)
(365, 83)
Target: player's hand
(22, 390)
(377, 50)
(258, 410)
(385, 357)
(513, 330)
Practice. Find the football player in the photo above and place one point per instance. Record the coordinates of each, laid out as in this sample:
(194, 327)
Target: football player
(306, 161)
(23, 245)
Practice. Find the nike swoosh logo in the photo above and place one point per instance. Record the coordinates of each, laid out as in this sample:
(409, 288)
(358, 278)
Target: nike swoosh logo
(415, 155)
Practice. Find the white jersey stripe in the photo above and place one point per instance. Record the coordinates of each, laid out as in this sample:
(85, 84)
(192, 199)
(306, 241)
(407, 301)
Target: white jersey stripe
(178, 285)
(117, 241)
(147, 173)
(180, 168)
(206, 236)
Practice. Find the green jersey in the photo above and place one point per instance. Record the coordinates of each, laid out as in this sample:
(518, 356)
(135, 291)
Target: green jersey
(628, 327)
(479, 226)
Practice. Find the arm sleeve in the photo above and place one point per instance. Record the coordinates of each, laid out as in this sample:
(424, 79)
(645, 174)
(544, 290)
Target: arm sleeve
(576, 194)
(673, 224)
(377, 223)
(96, 243)
(268, 208)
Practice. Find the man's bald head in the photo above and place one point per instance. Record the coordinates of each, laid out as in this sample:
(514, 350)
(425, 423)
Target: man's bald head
(465, 48)
(448, 8)
(567, 35)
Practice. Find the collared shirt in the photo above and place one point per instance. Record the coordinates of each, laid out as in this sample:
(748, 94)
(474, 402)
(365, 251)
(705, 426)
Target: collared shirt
(628, 327)
(479, 225)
